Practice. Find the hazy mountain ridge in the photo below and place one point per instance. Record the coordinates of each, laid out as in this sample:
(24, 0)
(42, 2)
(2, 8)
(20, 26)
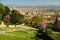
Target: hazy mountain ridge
(46, 6)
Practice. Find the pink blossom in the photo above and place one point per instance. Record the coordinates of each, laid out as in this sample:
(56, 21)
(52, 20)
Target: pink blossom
(7, 17)
(59, 28)
(42, 24)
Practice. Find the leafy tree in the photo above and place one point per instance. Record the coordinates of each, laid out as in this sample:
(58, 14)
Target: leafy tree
(27, 21)
(56, 26)
(0, 16)
(16, 17)
(6, 19)
(2, 8)
(7, 10)
(37, 19)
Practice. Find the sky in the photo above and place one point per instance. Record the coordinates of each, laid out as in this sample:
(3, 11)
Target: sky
(30, 2)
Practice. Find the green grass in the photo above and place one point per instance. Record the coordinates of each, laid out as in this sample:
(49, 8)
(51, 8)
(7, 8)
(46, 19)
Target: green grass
(55, 36)
(6, 37)
(26, 34)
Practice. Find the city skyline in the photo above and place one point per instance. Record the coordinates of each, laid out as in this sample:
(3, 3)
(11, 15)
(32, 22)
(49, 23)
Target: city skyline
(30, 2)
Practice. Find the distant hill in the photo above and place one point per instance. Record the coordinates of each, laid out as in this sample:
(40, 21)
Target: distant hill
(46, 6)
(51, 6)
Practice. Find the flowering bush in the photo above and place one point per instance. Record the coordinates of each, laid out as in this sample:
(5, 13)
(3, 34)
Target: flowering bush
(58, 28)
(7, 18)
(42, 24)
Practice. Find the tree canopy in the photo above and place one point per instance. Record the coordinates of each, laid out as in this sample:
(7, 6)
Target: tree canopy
(16, 17)
(2, 8)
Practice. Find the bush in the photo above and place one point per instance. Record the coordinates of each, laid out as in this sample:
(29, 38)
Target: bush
(7, 24)
(49, 31)
(0, 21)
(34, 25)
(57, 26)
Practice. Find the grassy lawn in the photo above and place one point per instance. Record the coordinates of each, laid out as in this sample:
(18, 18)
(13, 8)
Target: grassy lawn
(25, 34)
(54, 35)
(6, 37)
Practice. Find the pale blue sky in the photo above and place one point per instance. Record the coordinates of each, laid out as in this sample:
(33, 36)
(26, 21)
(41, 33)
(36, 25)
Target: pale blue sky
(30, 2)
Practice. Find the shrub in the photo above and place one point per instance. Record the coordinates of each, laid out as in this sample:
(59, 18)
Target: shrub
(57, 26)
(7, 18)
(49, 31)
(7, 24)
(0, 21)
(42, 24)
